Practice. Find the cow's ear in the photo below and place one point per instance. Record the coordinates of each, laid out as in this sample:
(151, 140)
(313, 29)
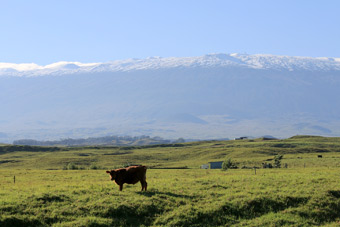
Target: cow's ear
(108, 171)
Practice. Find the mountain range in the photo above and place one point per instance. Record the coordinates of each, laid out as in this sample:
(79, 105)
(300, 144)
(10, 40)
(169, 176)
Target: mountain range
(204, 97)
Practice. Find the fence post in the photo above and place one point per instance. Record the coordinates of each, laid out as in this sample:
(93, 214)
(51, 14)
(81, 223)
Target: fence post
(255, 169)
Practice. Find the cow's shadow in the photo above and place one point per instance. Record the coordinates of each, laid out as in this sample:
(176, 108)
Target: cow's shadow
(154, 192)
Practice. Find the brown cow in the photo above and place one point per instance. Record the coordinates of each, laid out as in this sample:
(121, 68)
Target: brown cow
(129, 175)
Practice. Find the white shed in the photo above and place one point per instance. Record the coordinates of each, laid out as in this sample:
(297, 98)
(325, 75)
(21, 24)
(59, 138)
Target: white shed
(205, 166)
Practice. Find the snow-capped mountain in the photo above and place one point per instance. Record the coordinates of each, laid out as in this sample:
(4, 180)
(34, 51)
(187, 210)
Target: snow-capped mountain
(210, 96)
(270, 62)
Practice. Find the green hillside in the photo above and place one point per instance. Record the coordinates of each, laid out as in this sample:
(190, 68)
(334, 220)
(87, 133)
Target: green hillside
(298, 151)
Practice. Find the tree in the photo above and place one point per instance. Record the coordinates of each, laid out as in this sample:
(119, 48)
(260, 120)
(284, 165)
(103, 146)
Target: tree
(277, 161)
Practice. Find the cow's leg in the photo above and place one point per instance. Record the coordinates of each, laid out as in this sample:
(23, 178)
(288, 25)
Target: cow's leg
(144, 185)
(121, 187)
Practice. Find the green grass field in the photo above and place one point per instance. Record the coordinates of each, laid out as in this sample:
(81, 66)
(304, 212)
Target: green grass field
(307, 193)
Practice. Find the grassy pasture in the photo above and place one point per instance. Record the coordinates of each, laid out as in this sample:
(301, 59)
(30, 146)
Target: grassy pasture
(307, 193)
(272, 197)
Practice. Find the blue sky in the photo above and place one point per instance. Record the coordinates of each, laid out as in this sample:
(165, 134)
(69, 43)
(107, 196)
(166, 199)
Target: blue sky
(44, 32)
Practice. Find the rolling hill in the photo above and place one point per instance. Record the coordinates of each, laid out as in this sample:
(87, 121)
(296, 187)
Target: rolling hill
(297, 151)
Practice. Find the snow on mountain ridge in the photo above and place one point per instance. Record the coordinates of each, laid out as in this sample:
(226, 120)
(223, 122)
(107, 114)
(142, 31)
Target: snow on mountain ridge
(257, 61)
(266, 61)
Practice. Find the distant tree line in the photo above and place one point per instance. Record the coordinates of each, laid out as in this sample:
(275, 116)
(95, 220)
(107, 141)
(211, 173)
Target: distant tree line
(10, 148)
(106, 140)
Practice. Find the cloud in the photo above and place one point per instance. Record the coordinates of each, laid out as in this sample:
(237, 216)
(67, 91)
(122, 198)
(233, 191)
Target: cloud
(12, 67)
(20, 67)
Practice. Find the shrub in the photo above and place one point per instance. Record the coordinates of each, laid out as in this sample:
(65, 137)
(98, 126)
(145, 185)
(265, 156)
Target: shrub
(228, 164)
(94, 166)
(70, 166)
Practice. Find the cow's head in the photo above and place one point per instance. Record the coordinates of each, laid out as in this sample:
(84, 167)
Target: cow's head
(112, 174)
